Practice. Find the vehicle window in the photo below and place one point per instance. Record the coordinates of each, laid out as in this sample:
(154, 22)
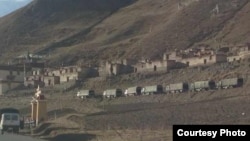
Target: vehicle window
(14, 117)
(7, 117)
(119, 92)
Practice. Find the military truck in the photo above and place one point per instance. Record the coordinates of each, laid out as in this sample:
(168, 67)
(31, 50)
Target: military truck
(132, 91)
(10, 120)
(85, 94)
(229, 83)
(112, 93)
(155, 89)
(202, 85)
(177, 88)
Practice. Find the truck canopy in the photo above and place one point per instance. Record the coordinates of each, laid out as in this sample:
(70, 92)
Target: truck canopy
(154, 88)
(210, 84)
(115, 92)
(136, 89)
(177, 86)
(8, 110)
(85, 92)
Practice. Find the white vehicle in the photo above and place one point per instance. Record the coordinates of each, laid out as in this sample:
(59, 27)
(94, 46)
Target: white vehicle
(132, 91)
(9, 120)
(112, 93)
(85, 93)
(155, 89)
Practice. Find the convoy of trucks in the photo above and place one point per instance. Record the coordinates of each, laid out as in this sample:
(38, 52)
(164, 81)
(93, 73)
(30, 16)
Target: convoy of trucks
(169, 88)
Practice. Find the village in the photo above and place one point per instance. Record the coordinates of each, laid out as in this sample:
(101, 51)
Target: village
(34, 73)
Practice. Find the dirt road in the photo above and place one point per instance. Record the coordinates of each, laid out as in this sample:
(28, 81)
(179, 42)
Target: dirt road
(10, 137)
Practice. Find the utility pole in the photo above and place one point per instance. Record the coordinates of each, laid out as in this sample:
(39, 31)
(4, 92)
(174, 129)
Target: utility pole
(24, 71)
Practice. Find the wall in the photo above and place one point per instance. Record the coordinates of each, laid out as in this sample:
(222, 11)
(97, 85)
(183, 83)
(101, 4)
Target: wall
(69, 76)
(15, 76)
(221, 58)
(155, 66)
(114, 69)
(6, 86)
(51, 80)
(173, 56)
(197, 61)
(233, 58)
(118, 69)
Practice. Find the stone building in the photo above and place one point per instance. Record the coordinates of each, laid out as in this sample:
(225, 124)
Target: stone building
(33, 81)
(65, 74)
(151, 66)
(11, 77)
(12, 73)
(197, 57)
(51, 80)
(115, 68)
(6, 86)
(204, 60)
(34, 78)
(242, 53)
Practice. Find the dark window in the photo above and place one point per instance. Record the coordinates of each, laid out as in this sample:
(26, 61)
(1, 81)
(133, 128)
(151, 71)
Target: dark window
(135, 70)
(92, 92)
(205, 61)
(14, 117)
(159, 88)
(118, 92)
(185, 86)
(6, 117)
(155, 68)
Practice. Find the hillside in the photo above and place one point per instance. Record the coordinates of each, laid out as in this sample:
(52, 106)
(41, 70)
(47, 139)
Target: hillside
(137, 118)
(88, 31)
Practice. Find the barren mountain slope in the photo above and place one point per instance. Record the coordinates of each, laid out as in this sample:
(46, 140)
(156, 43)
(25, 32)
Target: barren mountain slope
(45, 22)
(237, 30)
(81, 30)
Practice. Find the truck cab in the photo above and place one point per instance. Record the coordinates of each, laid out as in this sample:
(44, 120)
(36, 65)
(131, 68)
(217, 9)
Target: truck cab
(9, 120)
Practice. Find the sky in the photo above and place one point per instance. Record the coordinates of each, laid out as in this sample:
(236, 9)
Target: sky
(8, 6)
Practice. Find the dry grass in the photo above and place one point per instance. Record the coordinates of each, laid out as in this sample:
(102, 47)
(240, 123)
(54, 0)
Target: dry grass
(121, 30)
